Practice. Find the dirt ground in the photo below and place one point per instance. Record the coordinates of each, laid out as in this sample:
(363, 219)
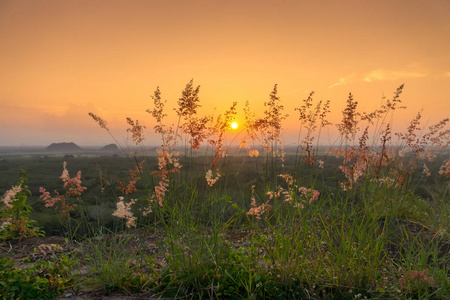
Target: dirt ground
(52, 247)
(147, 241)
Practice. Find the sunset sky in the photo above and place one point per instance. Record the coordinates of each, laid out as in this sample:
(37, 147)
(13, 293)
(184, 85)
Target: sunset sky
(60, 60)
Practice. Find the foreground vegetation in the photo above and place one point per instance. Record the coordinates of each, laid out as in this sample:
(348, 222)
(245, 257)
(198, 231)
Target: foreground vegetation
(368, 217)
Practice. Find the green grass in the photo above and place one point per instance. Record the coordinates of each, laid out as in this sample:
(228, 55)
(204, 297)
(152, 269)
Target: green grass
(365, 241)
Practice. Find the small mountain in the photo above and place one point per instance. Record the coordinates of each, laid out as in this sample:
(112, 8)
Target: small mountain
(110, 148)
(63, 147)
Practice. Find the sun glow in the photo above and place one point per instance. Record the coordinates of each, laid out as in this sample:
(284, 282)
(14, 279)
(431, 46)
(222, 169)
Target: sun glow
(234, 125)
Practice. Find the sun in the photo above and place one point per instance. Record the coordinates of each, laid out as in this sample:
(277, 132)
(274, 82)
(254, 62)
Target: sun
(234, 125)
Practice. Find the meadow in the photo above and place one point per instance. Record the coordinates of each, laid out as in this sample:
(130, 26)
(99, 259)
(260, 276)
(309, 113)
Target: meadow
(199, 218)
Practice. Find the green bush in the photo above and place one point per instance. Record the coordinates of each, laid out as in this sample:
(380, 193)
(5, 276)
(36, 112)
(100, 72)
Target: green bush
(41, 280)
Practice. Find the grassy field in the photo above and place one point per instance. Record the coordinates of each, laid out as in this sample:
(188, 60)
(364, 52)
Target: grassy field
(351, 222)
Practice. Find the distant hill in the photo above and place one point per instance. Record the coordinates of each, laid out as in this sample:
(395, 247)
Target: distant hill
(110, 148)
(64, 147)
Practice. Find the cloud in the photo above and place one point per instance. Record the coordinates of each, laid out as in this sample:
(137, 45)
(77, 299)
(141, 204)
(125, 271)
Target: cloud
(382, 74)
(341, 81)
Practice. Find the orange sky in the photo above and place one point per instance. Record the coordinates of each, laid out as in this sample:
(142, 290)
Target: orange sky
(60, 60)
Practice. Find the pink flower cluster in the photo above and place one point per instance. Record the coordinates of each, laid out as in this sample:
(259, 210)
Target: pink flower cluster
(253, 153)
(445, 168)
(6, 222)
(276, 194)
(284, 194)
(360, 160)
(387, 181)
(123, 211)
(72, 185)
(258, 210)
(309, 193)
(133, 176)
(168, 164)
(426, 171)
(59, 202)
(13, 217)
(137, 131)
(10, 195)
(210, 179)
(160, 191)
